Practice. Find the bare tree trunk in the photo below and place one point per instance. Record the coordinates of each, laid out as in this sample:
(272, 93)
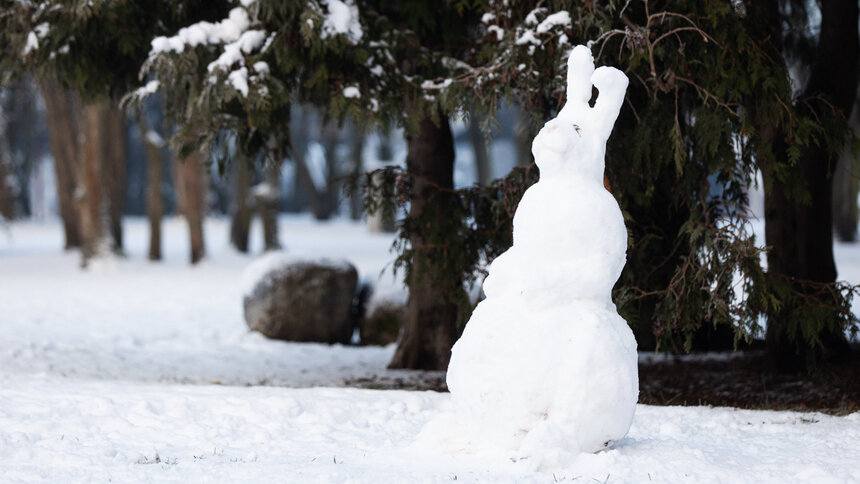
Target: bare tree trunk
(240, 221)
(90, 196)
(115, 172)
(306, 182)
(7, 195)
(376, 222)
(479, 146)
(19, 125)
(176, 173)
(154, 175)
(357, 148)
(63, 129)
(525, 134)
(431, 325)
(323, 200)
(846, 185)
(192, 179)
(330, 138)
(266, 197)
(299, 143)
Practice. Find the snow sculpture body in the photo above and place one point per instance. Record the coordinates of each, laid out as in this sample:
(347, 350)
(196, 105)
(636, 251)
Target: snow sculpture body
(546, 363)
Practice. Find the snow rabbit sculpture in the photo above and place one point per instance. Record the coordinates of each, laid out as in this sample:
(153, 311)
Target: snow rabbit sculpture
(546, 364)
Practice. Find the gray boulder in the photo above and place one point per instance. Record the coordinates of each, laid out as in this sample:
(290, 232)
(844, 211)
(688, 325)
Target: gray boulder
(382, 325)
(296, 299)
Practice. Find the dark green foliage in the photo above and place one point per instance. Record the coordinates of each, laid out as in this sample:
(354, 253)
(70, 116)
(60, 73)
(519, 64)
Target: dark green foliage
(94, 47)
(680, 158)
(477, 229)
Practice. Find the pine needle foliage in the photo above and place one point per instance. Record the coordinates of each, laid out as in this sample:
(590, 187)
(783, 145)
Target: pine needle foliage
(681, 158)
(95, 47)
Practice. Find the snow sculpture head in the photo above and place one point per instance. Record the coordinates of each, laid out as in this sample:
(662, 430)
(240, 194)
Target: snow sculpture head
(592, 125)
(552, 145)
(545, 364)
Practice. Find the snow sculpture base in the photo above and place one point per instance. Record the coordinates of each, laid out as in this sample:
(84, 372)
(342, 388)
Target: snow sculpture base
(546, 365)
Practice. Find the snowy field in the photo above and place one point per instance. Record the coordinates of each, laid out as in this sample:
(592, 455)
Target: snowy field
(146, 372)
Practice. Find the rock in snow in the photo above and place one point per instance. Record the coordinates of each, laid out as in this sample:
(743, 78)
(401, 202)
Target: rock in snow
(299, 299)
(546, 366)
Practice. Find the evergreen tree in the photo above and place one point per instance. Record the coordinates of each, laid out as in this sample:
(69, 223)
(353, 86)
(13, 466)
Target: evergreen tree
(707, 97)
(373, 67)
(810, 322)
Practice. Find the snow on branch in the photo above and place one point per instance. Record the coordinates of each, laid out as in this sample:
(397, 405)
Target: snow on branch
(236, 38)
(341, 18)
(205, 33)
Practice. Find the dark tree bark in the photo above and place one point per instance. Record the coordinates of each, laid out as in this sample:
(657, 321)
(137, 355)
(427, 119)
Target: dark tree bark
(90, 198)
(62, 123)
(114, 175)
(525, 134)
(846, 186)
(306, 183)
(375, 221)
(356, 150)
(192, 179)
(20, 126)
(154, 175)
(7, 196)
(240, 222)
(431, 325)
(479, 146)
(299, 144)
(329, 193)
(801, 235)
(176, 174)
(267, 200)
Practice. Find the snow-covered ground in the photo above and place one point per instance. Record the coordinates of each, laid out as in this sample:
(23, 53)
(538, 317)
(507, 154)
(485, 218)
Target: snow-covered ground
(146, 372)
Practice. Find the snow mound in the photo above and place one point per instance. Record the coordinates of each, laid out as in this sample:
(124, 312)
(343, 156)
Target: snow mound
(546, 367)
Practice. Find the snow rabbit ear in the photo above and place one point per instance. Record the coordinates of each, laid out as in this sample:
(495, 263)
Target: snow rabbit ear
(580, 67)
(611, 85)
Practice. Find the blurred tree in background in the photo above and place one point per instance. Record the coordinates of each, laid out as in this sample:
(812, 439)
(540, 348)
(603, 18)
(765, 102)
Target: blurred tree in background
(86, 55)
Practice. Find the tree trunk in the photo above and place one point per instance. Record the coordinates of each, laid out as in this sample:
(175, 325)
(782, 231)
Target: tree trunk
(267, 200)
(299, 144)
(90, 197)
(306, 182)
(357, 148)
(154, 174)
(846, 187)
(240, 222)
(385, 153)
(115, 171)
(329, 193)
(801, 235)
(431, 325)
(192, 180)
(479, 146)
(176, 173)
(7, 195)
(20, 126)
(525, 134)
(63, 131)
